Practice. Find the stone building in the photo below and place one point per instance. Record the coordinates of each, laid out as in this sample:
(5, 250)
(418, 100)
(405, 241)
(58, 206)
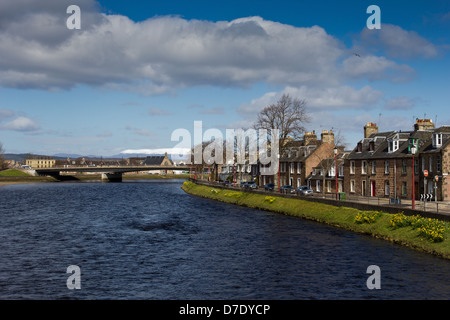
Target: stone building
(37, 161)
(381, 164)
(435, 158)
(159, 161)
(323, 177)
(299, 159)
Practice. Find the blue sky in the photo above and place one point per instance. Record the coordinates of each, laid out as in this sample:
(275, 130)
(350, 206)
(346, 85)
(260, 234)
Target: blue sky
(138, 70)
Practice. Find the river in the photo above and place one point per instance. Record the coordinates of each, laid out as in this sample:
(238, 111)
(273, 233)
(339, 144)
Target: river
(150, 240)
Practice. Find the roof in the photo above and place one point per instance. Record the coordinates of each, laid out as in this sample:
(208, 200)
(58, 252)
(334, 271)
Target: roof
(376, 146)
(154, 160)
(428, 148)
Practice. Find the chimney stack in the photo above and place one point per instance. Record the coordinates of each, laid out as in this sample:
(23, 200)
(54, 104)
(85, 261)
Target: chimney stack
(310, 138)
(327, 136)
(369, 129)
(423, 124)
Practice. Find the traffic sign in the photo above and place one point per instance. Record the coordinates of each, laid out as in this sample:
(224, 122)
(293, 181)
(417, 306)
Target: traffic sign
(436, 178)
(426, 197)
(425, 173)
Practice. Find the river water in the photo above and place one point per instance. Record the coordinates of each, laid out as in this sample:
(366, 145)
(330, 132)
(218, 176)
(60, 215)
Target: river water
(150, 240)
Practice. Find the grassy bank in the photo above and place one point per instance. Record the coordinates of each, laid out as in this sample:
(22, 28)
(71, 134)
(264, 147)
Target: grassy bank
(427, 235)
(13, 176)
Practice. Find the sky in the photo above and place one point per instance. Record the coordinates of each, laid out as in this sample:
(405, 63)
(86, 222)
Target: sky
(136, 71)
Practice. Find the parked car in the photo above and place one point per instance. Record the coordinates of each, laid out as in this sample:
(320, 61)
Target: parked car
(226, 183)
(287, 189)
(251, 185)
(305, 191)
(269, 187)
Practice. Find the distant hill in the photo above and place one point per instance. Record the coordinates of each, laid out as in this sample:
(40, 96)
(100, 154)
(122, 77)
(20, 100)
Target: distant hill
(64, 156)
(15, 157)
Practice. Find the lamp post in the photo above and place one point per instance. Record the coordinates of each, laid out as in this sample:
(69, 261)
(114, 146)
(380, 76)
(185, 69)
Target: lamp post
(335, 170)
(413, 152)
(279, 179)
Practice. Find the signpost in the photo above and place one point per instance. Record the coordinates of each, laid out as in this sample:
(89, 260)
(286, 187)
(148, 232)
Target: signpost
(436, 179)
(425, 173)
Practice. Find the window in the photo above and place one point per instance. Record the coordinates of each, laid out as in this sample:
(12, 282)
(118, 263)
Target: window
(328, 186)
(404, 189)
(292, 167)
(359, 147)
(386, 166)
(339, 186)
(364, 167)
(386, 188)
(352, 185)
(430, 164)
(423, 164)
(374, 167)
(437, 140)
(352, 167)
(332, 172)
(341, 171)
(372, 146)
(404, 166)
(299, 167)
(393, 145)
(299, 182)
(413, 142)
(438, 164)
(318, 185)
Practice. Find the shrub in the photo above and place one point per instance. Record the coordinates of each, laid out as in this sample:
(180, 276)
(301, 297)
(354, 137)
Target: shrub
(269, 199)
(233, 194)
(367, 217)
(430, 229)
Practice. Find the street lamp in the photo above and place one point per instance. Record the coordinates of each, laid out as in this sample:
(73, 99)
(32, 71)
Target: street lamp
(279, 179)
(413, 152)
(335, 169)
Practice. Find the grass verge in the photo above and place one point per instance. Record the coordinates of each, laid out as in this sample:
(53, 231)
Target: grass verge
(377, 224)
(13, 173)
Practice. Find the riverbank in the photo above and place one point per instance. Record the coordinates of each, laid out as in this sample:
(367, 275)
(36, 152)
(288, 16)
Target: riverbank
(380, 225)
(11, 180)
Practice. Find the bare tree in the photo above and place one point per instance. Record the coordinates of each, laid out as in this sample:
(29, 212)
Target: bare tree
(288, 115)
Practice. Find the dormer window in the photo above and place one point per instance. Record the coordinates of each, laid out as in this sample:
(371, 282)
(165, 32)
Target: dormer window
(393, 145)
(437, 140)
(372, 146)
(413, 143)
(359, 147)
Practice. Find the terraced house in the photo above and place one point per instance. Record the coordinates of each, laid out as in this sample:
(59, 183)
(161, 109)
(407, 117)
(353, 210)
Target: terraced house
(435, 158)
(386, 164)
(300, 157)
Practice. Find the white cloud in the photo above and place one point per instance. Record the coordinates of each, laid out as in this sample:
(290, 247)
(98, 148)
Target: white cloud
(401, 103)
(396, 42)
(317, 98)
(161, 54)
(376, 68)
(20, 124)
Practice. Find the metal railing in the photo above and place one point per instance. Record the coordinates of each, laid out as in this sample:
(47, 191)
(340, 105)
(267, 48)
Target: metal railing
(440, 207)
